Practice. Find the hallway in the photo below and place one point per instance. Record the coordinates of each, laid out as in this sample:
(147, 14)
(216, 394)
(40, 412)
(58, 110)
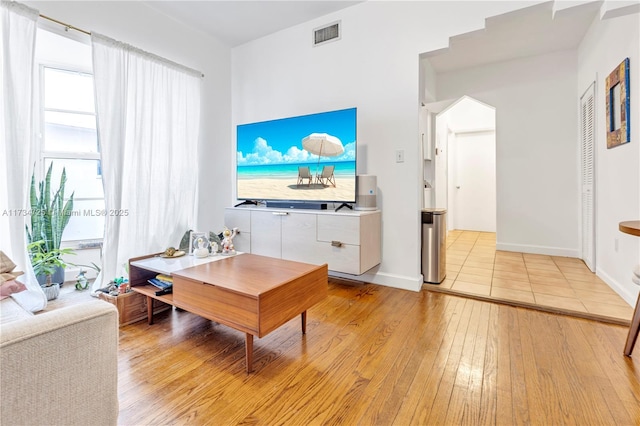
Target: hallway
(555, 284)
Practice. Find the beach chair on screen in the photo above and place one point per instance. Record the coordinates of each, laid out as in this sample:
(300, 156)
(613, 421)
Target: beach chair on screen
(304, 173)
(326, 177)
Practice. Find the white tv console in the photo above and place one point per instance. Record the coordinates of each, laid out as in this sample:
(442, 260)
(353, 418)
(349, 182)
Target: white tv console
(349, 242)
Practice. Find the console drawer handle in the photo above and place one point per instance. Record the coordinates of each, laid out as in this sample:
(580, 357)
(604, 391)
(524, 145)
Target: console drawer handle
(336, 244)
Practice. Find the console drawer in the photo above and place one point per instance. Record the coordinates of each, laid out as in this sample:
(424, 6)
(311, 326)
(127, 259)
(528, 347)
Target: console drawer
(345, 229)
(345, 258)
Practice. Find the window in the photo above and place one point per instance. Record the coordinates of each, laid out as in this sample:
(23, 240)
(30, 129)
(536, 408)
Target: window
(68, 138)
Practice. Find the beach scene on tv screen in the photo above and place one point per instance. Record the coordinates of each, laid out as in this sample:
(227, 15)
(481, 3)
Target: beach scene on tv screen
(305, 158)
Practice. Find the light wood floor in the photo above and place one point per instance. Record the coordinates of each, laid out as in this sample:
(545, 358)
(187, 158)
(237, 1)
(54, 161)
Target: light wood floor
(375, 355)
(474, 267)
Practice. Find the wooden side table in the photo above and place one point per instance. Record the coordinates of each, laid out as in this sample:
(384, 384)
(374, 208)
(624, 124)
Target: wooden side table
(132, 306)
(632, 228)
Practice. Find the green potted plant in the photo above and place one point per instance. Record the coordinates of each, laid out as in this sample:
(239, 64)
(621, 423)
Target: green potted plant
(45, 263)
(50, 215)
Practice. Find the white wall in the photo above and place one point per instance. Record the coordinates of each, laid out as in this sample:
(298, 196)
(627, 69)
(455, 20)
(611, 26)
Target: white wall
(536, 147)
(443, 135)
(374, 67)
(469, 115)
(605, 45)
(141, 26)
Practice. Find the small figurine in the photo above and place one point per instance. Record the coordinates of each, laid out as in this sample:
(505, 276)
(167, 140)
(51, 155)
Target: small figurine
(82, 283)
(201, 250)
(119, 285)
(227, 241)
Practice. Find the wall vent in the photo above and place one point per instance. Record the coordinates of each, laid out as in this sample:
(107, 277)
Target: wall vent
(327, 33)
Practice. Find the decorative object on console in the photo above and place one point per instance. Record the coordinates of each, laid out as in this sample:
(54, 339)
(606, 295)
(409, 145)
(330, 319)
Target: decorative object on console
(171, 252)
(227, 241)
(618, 106)
(201, 248)
(193, 238)
(215, 241)
(184, 242)
(366, 187)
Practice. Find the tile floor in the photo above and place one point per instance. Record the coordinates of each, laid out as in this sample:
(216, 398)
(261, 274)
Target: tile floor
(563, 283)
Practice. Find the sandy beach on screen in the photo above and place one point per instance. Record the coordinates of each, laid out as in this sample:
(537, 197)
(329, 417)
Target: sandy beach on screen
(286, 188)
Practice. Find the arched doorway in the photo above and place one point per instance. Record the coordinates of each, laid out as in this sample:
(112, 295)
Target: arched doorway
(463, 166)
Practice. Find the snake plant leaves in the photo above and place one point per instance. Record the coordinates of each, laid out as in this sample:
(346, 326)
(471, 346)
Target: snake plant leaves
(49, 215)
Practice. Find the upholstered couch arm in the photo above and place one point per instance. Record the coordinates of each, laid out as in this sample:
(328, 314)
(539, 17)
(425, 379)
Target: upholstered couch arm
(60, 367)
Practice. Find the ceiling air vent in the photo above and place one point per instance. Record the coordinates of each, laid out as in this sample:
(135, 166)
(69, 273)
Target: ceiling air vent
(326, 34)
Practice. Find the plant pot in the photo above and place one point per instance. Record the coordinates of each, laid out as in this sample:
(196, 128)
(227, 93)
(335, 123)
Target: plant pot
(56, 277)
(52, 291)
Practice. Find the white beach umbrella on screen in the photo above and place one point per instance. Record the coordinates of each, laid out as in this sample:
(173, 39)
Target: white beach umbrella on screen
(323, 145)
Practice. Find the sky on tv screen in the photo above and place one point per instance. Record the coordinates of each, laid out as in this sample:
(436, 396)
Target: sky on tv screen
(279, 142)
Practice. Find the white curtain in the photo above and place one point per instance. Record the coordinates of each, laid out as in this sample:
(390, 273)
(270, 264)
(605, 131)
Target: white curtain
(18, 32)
(148, 128)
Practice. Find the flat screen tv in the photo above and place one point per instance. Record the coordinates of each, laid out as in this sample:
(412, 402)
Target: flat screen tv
(305, 158)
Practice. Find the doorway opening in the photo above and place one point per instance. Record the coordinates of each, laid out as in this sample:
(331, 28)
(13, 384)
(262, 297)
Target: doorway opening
(462, 172)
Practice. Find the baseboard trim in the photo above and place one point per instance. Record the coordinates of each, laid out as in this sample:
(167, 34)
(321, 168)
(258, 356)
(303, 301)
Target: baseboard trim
(550, 251)
(622, 291)
(402, 282)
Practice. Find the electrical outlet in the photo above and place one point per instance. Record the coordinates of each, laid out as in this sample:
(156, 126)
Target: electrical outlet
(615, 245)
(400, 156)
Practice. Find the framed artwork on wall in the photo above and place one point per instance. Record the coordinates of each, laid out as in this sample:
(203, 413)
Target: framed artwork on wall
(618, 105)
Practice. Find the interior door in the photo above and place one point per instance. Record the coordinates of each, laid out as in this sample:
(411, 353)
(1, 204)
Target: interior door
(587, 157)
(474, 189)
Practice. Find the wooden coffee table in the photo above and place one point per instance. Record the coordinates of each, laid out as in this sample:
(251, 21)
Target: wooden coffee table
(250, 293)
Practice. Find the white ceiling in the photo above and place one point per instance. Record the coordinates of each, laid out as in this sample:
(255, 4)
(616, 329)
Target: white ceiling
(526, 32)
(237, 22)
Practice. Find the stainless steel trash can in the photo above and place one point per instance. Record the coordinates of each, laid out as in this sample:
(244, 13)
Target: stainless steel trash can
(434, 245)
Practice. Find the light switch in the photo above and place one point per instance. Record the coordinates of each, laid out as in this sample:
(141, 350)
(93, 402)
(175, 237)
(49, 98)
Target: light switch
(400, 156)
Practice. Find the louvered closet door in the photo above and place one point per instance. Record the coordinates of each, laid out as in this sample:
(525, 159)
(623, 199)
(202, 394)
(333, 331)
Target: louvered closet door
(587, 134)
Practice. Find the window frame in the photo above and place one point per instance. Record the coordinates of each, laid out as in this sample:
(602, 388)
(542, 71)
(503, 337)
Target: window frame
(44, 155)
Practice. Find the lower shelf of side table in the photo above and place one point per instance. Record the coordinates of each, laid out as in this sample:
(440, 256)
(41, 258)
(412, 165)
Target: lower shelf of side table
(132, 306)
